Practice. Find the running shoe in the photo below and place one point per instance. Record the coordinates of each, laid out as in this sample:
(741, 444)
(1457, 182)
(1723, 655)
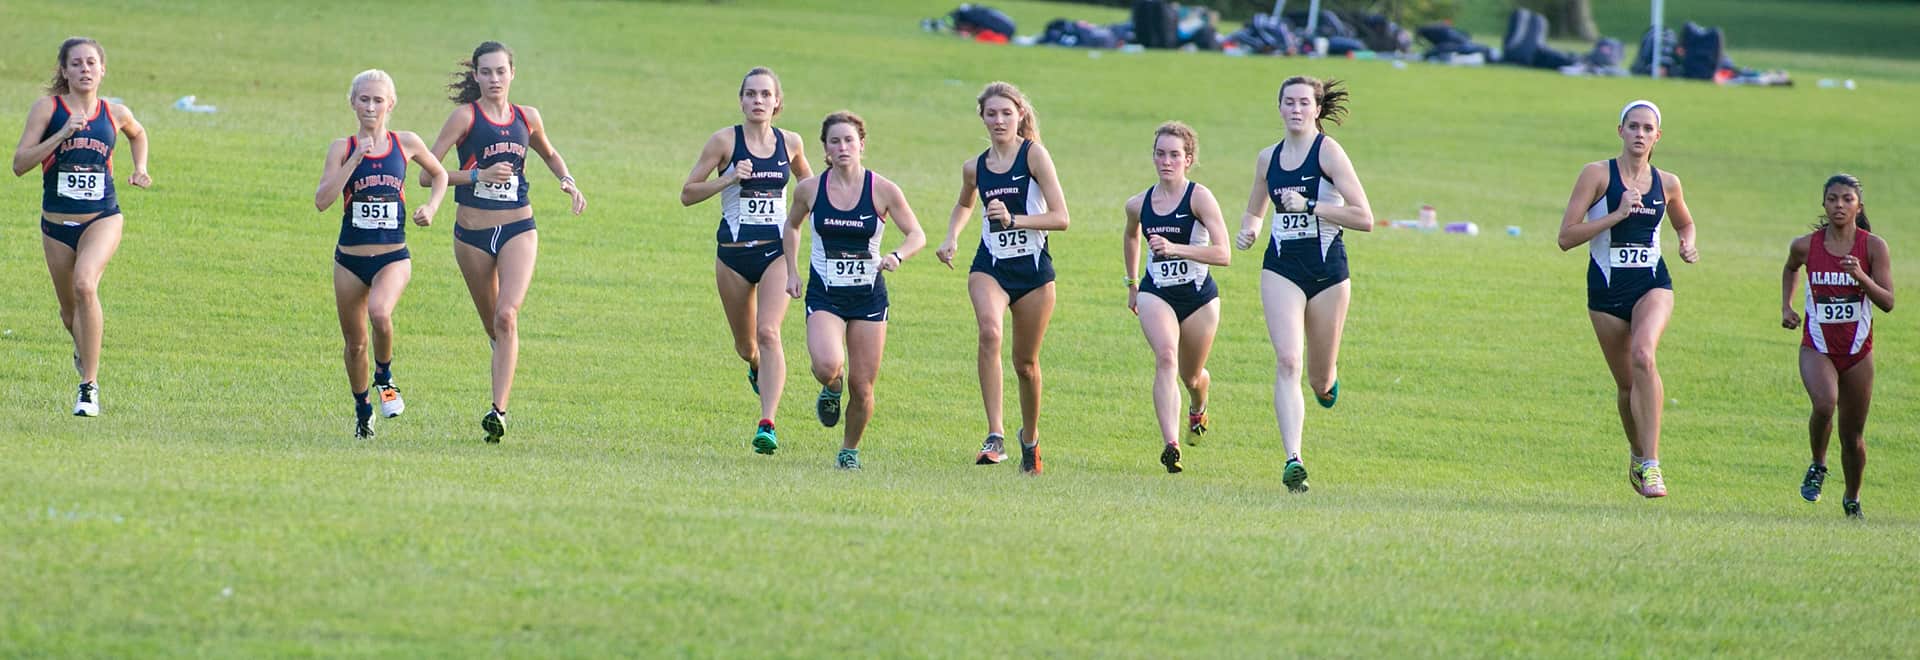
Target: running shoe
(495, 424)
(764, 441)
(1030, 458)
(362, 422)
(1294, 476)
(753, 379)
(391, 405)
(1852, 507)
(86, 403)
(992, 451)
(1333, 396)
(1197, 425)
(828, 407)
(1815, 479)
(1170, 457)
(849, 459)
(1649, 483)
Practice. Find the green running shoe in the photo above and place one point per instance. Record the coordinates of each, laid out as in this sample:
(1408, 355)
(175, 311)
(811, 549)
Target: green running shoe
(1815, 479)
(828, 408)
(849, 459)
(1294, 476)
(1333, 396)
(764, 441)
(1170, 457)
(1852, 507)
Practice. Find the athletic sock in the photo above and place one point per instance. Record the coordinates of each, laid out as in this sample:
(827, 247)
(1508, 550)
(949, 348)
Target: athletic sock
(1650, 464)
(383, 373)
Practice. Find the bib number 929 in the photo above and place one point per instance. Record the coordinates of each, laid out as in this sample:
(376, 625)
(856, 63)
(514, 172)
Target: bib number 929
(1837, 311)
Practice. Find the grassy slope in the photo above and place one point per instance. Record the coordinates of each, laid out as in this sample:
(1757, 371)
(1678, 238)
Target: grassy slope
(1468, 492)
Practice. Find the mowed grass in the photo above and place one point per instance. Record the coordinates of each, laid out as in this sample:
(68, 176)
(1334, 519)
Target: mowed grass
(1469, 495)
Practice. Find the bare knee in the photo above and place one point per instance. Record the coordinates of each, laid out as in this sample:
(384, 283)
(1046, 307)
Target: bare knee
(1642, 360)
(989, 336)
(1166, 359)
(1028, 369)
(825, 372)
(1196, 380)
(382, 321)
(356, 347)
(1823, 408)
(767, 336)
(1287, 365)
(506, 321)
(85, 289)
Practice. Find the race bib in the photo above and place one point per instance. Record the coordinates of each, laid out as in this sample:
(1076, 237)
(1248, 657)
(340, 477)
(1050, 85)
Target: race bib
(850, 269)
(1295, 226)
(1633, 256)
(1014, 243)
(1828, 310)
(1175, 272)
(374, 212)
(82, 182)
(505, 191)
(763, 207)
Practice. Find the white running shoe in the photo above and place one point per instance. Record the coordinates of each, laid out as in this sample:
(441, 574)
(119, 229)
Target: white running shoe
(87, 402)
(391, 405)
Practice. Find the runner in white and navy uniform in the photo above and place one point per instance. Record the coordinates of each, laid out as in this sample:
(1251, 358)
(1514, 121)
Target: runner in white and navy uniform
(753, 211)
(848, 207)
(1849, 273)
(1616, 208)
(1315, 196)
(1019, 191)
(70, 135)
(1176, 298)
(368, 172)
(495, 240)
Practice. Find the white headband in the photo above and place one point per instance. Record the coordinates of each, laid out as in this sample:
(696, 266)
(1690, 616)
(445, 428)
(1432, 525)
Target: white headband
(1640, 103)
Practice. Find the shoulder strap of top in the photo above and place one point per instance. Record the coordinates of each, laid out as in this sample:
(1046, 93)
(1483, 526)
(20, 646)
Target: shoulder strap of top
(779, 143)
(980, 166)
(1186, 198)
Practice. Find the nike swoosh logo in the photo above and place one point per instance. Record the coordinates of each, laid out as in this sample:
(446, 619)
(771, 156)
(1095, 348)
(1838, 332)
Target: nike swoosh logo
(782, 163)
(866, 217)
(1658, 202)
(1179, 215)
(875, 314)
(769, 254)
(1017, 178)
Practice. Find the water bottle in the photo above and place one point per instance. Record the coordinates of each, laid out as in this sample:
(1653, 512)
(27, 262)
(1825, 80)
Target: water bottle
(1467, 228)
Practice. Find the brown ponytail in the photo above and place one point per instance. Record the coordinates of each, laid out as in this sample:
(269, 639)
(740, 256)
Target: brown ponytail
(1331, 97)
(464, 88)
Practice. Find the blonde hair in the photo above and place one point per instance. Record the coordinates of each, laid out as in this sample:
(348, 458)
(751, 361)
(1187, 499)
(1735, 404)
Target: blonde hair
(1029, 128)
(1188, 140)
(373, 75)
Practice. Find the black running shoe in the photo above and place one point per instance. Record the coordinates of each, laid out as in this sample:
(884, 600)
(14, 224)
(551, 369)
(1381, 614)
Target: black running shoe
(828, 407)
(495, 424)
(1170, 457)
(363, 422)
(1815, 479)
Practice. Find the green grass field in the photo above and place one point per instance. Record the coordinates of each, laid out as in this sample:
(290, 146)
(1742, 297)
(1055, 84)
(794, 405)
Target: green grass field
(1468, 493)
